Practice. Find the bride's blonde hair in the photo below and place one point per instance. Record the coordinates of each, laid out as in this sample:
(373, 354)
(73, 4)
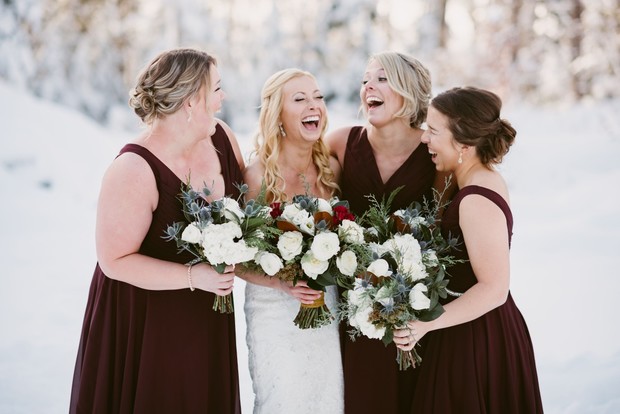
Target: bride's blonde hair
(269, 135)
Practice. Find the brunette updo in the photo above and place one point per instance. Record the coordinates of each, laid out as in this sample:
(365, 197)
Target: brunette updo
(474, 120)
(168, 81)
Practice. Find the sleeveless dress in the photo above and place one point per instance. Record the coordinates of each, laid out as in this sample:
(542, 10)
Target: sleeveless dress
(483, 366)
(372, 380)
(144, 351)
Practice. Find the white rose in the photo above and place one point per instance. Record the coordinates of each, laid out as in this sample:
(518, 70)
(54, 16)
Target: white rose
(290, 244)
(414, 270)
(239, 252)
(367, 327)
(377, 249)
(358, 297)
(312, 266)
(325, 245)
(347, 263)
(324, 206)
(289, 212)
(417, 298)
(230, 229)
(216, 244)
(232, 211)
(351, 232)
(191, 234)
(304, 222)
(404, 245)
(269, 262)
(379, 268)
(220, 247)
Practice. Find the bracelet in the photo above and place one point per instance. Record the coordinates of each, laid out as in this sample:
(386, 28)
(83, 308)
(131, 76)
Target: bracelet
(189, 278)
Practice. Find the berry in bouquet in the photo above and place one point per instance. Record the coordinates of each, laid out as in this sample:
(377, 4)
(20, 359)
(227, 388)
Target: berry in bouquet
(219, 232)
(406, 277)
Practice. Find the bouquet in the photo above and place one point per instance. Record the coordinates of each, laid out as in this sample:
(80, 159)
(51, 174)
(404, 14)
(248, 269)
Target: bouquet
(318, 241)
(219, 233)
(406, 277)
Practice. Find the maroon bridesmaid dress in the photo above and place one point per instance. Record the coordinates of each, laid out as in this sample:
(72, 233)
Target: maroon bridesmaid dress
(372, 380)
(483, 366)
(144, 351)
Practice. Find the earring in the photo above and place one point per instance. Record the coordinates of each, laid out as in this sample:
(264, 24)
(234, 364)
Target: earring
(282, 132)
(460, 161)
(189, 118)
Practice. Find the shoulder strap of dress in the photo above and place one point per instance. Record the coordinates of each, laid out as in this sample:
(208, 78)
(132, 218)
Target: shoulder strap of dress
(154, 162)
(497, 199)
(355, 135)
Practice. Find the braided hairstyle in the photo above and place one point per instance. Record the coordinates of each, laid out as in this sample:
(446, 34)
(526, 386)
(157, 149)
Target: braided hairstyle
(168, 81)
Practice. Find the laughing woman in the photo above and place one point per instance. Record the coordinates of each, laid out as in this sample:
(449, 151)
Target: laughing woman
(478, 356)
(293, 370)
(376, 159)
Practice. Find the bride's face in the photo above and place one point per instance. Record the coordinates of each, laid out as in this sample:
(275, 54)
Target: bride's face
(304, 114)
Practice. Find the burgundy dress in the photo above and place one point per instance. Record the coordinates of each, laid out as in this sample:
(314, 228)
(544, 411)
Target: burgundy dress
(144, 351)
(373, 382)
(483, 366)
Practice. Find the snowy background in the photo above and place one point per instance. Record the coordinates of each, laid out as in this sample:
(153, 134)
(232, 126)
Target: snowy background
(66, 67)
(562, 173)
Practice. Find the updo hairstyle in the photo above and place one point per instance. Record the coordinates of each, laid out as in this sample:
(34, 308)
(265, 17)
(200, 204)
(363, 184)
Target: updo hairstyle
(168, 81)
(409, 78)
(474, 120)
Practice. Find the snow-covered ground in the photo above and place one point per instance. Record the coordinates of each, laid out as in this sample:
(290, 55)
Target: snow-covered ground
(562, 173)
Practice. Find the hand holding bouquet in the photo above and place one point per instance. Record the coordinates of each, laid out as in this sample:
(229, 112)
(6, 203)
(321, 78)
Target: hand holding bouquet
(219, 233)
(406, 278)
(318, 241)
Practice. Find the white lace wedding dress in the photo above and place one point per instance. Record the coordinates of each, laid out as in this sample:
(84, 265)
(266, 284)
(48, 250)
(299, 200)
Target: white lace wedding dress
(294, 371)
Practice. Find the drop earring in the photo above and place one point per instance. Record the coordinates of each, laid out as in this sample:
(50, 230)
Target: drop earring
(282, 132)
(460, 161)
(189, 118)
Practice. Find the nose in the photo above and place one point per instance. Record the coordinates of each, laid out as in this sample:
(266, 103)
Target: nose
(426, 138)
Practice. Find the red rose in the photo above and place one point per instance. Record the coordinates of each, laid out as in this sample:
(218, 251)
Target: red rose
(276, 211)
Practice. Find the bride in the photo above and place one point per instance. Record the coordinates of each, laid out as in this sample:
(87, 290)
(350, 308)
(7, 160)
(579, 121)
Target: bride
(293, 370)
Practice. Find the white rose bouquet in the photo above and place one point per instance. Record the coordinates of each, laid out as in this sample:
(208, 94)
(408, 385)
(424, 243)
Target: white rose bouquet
(317, 241)
(406, 277)
(219, 232)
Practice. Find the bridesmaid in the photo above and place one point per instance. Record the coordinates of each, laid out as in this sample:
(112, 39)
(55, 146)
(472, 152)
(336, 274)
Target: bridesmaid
(479, 356)
(151, 342)
(376, 159)
(293, 370)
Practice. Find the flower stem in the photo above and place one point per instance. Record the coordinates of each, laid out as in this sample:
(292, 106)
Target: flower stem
(315, 315)
(407, 359)
(224, 304)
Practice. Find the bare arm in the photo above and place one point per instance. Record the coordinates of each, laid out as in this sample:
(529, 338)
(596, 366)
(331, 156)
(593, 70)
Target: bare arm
(127, 200)
(486, 238)
(336, 141)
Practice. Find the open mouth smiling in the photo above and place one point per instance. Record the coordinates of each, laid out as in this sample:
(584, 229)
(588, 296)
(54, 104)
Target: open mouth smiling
(311, 121)
(373, 102)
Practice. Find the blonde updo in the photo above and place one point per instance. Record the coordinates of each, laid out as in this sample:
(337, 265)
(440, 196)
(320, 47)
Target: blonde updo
(168, 81)
(409, 78)
(474, 120)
